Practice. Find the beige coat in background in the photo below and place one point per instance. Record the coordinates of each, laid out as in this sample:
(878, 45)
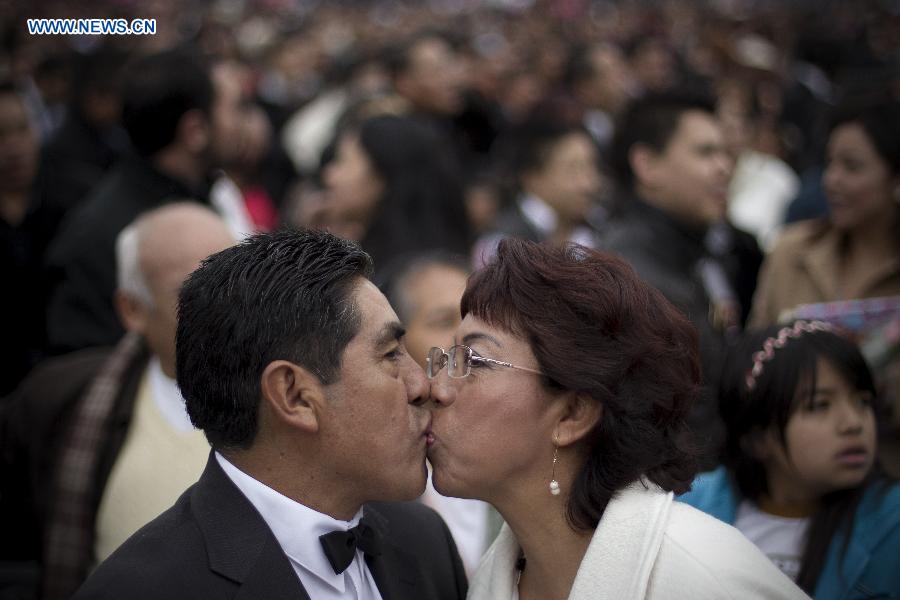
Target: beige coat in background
(803, 269)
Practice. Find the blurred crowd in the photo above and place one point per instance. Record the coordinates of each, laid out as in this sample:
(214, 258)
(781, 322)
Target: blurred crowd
(741, 155)
(470, 95)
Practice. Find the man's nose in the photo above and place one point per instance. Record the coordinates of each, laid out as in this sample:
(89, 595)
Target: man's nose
(724, 164)
(417, 385)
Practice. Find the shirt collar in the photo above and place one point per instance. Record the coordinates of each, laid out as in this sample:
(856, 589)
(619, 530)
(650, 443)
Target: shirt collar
(167, 396)
(538, 213)
(543, 217)
(296, 527)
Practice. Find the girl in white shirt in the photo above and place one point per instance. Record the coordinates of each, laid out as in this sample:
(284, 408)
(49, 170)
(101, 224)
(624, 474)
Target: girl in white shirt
(800, 476)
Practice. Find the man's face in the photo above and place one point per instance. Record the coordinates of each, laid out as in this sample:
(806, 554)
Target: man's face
(689, 178)
(654, 66)
(375, 418)
(609, 88)
(433, 298)
(18, 145)
(434, 79)
(226, 120)
(568, 179)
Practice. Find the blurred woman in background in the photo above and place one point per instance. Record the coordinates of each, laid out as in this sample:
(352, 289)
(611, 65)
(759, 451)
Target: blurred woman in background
(394, 187)
(855, 252)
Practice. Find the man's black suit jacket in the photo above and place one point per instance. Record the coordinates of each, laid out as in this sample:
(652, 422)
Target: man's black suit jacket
(80, 269)
(213, 544)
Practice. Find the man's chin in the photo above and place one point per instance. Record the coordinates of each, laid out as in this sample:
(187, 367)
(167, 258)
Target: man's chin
(412, 489)
(412, 493)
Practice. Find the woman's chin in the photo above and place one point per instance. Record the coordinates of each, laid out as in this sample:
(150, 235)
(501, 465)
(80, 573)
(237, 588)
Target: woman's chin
(445, 485)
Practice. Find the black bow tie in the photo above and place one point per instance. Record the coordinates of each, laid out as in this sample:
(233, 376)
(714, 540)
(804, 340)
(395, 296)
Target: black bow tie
(340, 546)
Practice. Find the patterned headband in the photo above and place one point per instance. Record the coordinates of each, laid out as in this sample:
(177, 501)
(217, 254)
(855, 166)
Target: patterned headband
(771, 344)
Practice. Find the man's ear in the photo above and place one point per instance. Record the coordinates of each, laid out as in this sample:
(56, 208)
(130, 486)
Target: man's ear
(193, 130)
(642, 159)
(294, 395)
(132, 312)
(581, 414)
(403, 84)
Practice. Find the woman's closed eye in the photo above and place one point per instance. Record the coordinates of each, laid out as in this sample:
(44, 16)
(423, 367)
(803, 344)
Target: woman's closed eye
(478, 362)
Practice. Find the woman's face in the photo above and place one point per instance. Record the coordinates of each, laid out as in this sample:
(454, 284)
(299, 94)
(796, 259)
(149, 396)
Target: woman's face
(352, 185)
(493, 430)
(830, 440)
(858, 181)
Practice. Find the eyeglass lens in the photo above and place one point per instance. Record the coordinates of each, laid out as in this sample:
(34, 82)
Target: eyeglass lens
(458, 362)
(434, 362)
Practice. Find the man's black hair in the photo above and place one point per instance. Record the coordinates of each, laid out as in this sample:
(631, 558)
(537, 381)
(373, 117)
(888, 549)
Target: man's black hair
(159, 89)
(284, 295)
(651, 121)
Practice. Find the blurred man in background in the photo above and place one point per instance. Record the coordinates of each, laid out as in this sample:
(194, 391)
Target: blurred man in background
(425, 291)
(97, 443)
(183, 119)
(670, 159)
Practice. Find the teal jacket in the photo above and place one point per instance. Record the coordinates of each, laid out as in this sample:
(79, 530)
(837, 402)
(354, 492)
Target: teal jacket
(871, 566)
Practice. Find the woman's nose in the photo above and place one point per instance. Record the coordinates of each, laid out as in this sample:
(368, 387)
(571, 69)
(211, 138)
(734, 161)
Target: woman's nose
(830, 177)
(443, 392)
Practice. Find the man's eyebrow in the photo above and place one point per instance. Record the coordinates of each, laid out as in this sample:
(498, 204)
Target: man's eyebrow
(391, 332)
(477, 335)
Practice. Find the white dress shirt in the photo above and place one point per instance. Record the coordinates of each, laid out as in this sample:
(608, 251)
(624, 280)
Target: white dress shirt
(467, 521)
(167, 396)
(539, 215)
(543, 217)
(228, 200)
(297, 529)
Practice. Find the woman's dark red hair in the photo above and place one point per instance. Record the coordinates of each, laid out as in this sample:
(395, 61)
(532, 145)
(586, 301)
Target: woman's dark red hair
(598, 329)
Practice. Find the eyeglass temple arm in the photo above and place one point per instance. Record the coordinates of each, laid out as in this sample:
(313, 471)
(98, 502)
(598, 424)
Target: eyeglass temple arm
(506, 364)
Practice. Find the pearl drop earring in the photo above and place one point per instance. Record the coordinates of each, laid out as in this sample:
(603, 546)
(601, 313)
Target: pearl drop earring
(554, 484)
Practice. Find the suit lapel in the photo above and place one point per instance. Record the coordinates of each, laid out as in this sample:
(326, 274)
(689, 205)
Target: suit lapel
(239, 544)
(391, 570)
(272, 576)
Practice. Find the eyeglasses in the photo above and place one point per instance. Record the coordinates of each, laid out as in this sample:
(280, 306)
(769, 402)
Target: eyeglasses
(459, 359)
